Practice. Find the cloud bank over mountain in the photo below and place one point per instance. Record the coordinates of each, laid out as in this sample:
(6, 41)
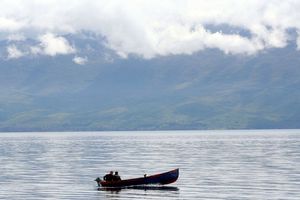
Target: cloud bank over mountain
(152, 28)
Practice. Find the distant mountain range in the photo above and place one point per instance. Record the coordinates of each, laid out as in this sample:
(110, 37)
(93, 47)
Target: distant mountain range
(206, 90)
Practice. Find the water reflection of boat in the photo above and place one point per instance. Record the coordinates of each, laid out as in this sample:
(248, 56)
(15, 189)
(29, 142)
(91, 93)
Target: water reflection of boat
(157, 179)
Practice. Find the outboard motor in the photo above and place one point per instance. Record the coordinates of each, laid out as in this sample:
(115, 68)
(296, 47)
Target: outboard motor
(98, 180)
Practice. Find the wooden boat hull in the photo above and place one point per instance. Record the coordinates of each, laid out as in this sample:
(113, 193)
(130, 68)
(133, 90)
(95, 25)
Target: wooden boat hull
(161, 179)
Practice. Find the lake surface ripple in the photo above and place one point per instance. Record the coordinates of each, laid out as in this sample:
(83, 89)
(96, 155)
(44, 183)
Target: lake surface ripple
(213, 164)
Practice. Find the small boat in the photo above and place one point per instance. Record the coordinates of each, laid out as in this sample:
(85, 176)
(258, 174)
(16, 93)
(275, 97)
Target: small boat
(160, 179)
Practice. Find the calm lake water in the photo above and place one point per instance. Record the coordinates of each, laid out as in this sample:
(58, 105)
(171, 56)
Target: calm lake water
(213, 164)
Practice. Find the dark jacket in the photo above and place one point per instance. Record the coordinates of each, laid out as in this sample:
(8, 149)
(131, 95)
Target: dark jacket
(108, 177)
(116, 178)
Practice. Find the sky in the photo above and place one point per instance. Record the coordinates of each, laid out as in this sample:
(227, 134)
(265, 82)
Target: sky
(150, 28)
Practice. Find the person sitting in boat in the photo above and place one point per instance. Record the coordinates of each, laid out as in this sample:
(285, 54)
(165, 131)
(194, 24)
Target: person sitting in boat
(116, 177)
(109, 177)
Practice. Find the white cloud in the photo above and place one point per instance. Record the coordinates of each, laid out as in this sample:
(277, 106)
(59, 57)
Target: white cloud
(13, 52)
(80, 60)
(36, 50)
(16, 37)
(108, 58)
(10, 25)
(52, 45)
(151, 28)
